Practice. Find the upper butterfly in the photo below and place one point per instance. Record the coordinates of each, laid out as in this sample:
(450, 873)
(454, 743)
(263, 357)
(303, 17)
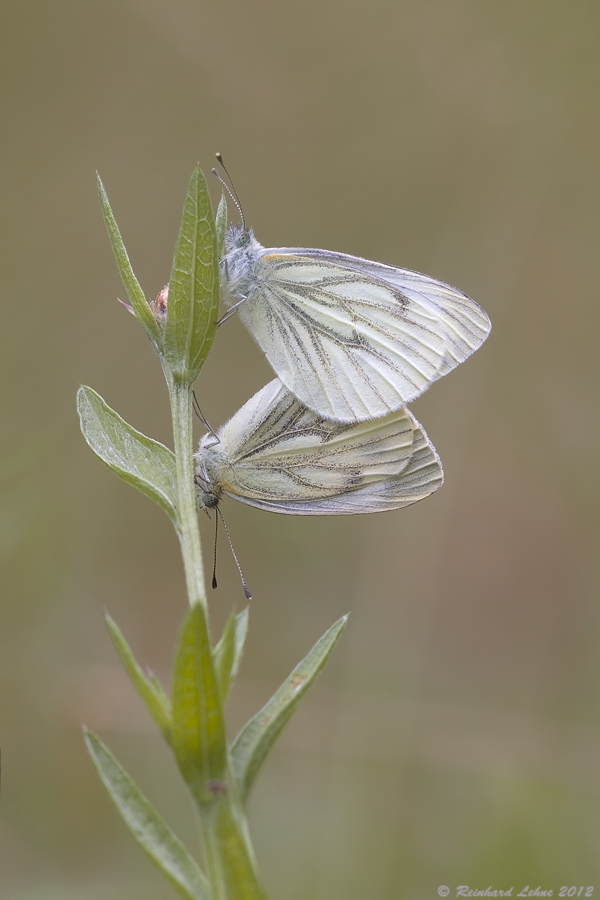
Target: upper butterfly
(351, 338)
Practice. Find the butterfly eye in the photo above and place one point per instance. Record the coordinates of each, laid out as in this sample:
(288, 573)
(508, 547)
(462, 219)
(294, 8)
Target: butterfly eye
(242, 239)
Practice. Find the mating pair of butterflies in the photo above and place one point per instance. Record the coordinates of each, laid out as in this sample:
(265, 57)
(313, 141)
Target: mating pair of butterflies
(352, 342)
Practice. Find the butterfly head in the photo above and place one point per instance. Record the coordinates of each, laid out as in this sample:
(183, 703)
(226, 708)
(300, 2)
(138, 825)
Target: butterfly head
(237, 238)
(208, 500)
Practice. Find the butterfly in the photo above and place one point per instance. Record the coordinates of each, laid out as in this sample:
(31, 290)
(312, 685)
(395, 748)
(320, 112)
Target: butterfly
(350, 338)
(277, 454)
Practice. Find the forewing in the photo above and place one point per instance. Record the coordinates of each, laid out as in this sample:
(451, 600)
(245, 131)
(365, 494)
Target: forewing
(348, 344)
(275, 452)
(466, 325)
(355, 339)
(420, 477)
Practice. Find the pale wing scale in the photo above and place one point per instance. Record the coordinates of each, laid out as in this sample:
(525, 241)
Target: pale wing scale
(466, 324)
(349, 345)
(421, 477)
(352, 338)
(320, 371)
(277, 454)
(291, 450)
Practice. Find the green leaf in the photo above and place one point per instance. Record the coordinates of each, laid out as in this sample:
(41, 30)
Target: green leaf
(148, 827)
(199, 740)
(148, 687)
(135, 458)
(221, 226)
(227, 654)
(257, 737)
(136, 296)
(193, 307)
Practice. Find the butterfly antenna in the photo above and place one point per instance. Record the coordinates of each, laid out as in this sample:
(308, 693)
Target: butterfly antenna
(202, 417)
(231, 191)
(244, 585)
(214, 578)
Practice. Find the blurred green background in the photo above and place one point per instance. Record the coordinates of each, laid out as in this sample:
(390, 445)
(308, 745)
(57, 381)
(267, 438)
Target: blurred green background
(455, 738)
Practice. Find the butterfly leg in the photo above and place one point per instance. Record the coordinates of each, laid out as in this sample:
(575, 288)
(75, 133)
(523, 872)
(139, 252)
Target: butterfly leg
(231, 311)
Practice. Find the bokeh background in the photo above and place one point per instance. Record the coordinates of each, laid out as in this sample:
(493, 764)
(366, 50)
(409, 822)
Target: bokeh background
(455, 738)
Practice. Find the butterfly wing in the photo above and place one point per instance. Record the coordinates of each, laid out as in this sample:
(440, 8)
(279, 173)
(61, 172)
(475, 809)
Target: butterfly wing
(354, 339)
(422, 476)
(466, 325)
(277, 454)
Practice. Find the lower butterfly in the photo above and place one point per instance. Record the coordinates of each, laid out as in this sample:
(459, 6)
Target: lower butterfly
(278, 455)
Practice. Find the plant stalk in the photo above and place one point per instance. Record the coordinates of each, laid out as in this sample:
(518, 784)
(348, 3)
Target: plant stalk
(187, 510)
(212, 856)
(232, 829)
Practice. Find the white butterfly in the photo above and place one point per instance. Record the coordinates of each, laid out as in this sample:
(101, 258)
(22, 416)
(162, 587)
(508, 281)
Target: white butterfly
(351, 338)
(277, 454)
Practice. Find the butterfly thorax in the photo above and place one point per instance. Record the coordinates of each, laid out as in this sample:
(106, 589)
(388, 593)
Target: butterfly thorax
(237, 266)
(207, 487)
(211, 471)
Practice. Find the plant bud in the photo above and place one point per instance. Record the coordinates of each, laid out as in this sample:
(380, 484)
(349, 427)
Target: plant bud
(159, 306)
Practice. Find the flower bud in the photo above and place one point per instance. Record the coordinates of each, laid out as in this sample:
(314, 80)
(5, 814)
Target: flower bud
(159, 306)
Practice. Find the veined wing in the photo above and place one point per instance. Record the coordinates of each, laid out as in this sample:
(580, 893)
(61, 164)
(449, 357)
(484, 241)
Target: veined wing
(349, 345)
(276, 450)
(465, 323)
(277, 455)
(355, 339)
(422, 476)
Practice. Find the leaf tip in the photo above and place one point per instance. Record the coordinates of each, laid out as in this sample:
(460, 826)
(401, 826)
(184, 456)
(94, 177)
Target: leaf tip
(81, 397)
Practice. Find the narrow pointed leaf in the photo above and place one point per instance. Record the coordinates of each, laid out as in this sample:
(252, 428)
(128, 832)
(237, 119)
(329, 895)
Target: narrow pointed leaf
(228, 652)
(221, 226)
(257, 737)
(193, 307)
(138, 301)
(135, 458)
(150, 830)
(198, 731)
(148, 687)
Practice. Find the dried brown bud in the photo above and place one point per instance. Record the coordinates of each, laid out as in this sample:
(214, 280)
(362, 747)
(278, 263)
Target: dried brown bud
(159, 306)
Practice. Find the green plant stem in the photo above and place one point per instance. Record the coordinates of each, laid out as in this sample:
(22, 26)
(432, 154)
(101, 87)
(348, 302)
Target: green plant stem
(217, 830)
(212, 855)
(187, 510)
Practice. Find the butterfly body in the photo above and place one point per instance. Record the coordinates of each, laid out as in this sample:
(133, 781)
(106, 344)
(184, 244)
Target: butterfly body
(237, 266)
(351, 338)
